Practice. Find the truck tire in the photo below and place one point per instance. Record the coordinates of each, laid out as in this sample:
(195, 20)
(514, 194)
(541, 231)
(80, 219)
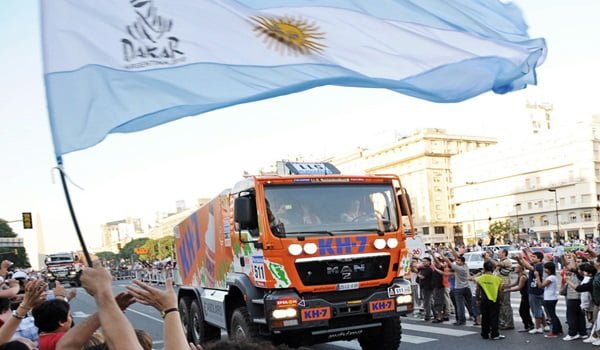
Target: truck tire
(386, 337)
(242, 327)
(184, 315)
(201, 332)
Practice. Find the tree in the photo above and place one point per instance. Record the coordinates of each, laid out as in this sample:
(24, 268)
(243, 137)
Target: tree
(129, 249)
(499, 229)
(106, 256)
(18, 255)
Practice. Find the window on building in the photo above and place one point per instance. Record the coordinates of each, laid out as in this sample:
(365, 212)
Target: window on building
(587, 216)
(573, 200)
(586, 198)
(572, 217)
(538, 181)
(439, 229)
(529, 205)
(531, 221)
(527, 183)
(540, 204)
(425, 230)
(544, 220)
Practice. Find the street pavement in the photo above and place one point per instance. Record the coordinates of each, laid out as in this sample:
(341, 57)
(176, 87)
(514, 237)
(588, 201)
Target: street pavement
(417, 334)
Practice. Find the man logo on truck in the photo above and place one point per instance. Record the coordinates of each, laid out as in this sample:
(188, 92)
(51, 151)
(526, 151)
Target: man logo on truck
(346, 270)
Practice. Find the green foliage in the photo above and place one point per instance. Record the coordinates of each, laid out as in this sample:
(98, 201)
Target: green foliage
(20, 259)
(106, 256)
(129, 248)
(500, 228)
(159, 249)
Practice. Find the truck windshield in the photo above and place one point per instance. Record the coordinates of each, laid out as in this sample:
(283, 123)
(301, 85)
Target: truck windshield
(317, 209)
(58, 260)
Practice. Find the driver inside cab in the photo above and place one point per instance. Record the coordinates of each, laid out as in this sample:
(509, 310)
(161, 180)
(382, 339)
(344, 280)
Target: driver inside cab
(353, 211)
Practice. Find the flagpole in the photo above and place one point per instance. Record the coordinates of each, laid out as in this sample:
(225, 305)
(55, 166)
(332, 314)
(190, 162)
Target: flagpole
(72, 211)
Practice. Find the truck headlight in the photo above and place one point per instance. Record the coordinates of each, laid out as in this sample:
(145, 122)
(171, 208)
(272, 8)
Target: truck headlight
(295, 249)
(284, 313)
(392, 243)
(310, 248)
(379, 243)
(404, 299)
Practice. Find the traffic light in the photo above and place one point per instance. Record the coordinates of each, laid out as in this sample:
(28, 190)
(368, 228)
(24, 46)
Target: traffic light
(27, 221)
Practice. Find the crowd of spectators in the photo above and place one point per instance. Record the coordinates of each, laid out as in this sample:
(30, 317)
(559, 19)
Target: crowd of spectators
(32, 316)
(445, 285)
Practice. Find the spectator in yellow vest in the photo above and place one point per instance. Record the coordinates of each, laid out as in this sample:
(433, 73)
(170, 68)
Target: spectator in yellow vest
(489, 287)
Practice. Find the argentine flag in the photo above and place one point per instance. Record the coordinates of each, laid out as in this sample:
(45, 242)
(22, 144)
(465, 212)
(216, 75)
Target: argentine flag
(116, 66)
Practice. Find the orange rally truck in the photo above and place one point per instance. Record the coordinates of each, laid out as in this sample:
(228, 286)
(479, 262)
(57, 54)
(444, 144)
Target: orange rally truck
(302, 257)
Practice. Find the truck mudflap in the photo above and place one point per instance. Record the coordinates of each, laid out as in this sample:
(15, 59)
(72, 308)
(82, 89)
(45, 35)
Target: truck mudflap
(335, 316)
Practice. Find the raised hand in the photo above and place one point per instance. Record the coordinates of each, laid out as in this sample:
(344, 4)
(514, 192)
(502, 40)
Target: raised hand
(161, 300)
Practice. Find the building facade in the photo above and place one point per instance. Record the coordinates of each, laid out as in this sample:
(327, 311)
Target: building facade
(116, 234)
(422, 161)
(546, 184)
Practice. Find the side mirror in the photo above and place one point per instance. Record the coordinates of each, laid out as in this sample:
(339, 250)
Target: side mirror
(244, 213)
(405, 210)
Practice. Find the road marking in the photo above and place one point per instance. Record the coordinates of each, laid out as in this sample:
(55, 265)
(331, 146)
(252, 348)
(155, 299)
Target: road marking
(436, 330)
(413, 339)
(146, 315)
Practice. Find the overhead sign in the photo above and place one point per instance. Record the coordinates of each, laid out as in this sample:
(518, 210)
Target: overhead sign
(6, 242)
(141, 251)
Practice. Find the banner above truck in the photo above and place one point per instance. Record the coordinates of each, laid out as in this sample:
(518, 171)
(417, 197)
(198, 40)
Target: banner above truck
(117, 66)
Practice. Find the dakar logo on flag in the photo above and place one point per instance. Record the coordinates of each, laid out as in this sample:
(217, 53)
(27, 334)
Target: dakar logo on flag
(297, 35)
(148, 42)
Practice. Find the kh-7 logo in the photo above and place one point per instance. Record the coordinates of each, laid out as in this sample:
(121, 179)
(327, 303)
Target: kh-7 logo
(342, 245)
(316, 313)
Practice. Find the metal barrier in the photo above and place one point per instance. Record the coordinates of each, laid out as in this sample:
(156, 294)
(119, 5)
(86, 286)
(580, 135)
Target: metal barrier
(150, 276)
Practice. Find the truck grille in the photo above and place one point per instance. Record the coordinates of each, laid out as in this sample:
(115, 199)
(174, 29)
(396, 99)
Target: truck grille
(342, 269)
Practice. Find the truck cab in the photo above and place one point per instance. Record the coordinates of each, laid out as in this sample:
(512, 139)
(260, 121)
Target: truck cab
(299, 259)
(62, 267)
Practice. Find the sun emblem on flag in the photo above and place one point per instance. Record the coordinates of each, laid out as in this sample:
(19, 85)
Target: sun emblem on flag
(296, 35)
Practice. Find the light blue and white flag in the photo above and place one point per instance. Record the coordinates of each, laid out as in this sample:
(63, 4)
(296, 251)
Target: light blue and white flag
(128, 65)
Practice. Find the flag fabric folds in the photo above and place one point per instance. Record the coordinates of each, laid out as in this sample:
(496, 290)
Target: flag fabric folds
(122, 66)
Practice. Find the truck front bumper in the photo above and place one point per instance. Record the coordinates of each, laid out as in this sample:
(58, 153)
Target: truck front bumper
(339, 315)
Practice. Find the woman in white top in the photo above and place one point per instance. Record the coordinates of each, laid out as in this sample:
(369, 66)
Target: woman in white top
(551, 288)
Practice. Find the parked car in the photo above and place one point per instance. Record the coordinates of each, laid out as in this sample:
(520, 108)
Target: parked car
(474, 261)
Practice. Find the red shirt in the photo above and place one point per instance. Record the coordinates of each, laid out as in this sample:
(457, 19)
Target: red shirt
(48, 341)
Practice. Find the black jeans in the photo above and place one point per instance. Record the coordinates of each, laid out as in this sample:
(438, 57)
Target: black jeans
(489, 318)
(550, 306)
(575, 318)
(524, 312)
(427, 299)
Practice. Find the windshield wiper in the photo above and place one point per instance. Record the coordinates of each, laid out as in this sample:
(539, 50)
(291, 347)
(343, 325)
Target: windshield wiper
(378, 231)
(311, 233)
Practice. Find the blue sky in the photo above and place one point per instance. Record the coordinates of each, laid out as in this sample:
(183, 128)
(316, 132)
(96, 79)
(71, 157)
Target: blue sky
(141, 173)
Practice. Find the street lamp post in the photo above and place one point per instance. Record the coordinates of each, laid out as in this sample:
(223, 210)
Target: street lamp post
(517, 206)
(598, 213)
(556, 207)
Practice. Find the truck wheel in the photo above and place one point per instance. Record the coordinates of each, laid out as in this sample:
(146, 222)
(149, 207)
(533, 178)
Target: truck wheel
(184, 315)
(201, 331)
(386, 337)
(242, 327)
